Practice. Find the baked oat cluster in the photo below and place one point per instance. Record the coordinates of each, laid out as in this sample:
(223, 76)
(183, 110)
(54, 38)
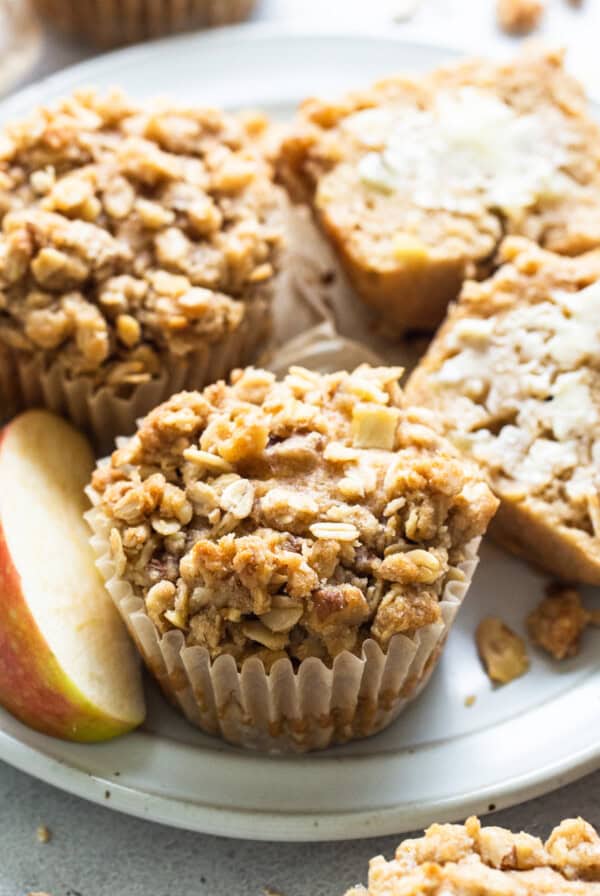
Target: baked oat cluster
(515, 372)
(294, 518)
(471, 860)
(129, 232)
(416, 182)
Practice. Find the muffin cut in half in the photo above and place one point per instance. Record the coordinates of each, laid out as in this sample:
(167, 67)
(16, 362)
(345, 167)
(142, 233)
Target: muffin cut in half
(289, 555)
(137, 252)
(415, 181)
(515, 373)
(471, 860)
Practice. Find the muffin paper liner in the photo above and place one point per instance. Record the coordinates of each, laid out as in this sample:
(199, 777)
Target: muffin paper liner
(110, 23)
(25, 382)
(284, 710)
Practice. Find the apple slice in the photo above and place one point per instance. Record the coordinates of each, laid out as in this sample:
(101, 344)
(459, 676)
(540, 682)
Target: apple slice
(67, 665)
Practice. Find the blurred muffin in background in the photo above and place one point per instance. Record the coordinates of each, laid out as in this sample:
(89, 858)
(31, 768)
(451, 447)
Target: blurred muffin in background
(111, 23)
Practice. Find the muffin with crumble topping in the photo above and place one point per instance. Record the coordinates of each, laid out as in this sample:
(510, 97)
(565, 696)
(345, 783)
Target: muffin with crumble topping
(289, 555)
(138, 249)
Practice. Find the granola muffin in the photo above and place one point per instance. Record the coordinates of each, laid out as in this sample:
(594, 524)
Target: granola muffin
(111, 23)
(515, 372)
(471, 860)
(289, 555)
(415, 181)
(138, 248)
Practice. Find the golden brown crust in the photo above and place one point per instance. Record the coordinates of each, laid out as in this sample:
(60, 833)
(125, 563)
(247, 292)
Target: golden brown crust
(514, 375)
(471, 860)
(130, 233)
(292, 518)
(411, 280)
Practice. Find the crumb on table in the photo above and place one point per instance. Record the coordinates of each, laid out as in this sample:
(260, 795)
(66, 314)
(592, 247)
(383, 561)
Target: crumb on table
(502, 651)
(43, 834)
(519, 16)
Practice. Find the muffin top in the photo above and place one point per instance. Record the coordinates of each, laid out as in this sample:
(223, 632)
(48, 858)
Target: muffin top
(471, 860)
(129, 232)
(294, 518)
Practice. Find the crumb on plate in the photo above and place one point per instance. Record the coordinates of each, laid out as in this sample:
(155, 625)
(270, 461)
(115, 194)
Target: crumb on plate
(502, 651)
(559, 620)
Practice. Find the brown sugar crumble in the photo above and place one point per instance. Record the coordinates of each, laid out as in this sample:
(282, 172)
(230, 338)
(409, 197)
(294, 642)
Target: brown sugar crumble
(129, 232)
(519, 16)
(502, 652)
(291, 518)
(469, 859)
(559, 620)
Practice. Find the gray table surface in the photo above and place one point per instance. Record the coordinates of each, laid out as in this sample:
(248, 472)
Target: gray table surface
(96, 852)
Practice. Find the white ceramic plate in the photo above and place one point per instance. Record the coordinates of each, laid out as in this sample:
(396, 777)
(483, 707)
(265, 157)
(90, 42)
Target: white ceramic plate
(441, 760)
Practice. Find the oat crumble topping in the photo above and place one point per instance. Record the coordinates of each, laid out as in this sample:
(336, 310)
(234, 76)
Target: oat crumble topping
(293, 518)
(129, 232)
(471, 860)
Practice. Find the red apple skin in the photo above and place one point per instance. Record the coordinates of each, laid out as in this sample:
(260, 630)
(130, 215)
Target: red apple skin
(33, 687)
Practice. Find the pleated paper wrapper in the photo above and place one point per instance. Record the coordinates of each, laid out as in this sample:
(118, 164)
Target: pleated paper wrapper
(103, 414)
(111, 23)
(284, 710)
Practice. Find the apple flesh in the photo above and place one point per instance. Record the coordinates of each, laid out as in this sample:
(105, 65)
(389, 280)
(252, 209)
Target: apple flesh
(67, 665)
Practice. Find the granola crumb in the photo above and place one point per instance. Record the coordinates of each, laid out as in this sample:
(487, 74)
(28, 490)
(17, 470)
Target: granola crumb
(269, 891)
(43, 834)
(558, 622)
(470, 700)
(502, 651)
(519, 16)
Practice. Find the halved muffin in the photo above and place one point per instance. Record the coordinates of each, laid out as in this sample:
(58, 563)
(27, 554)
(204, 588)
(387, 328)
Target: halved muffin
(416, 180)
(289, 555)
(515, 374)
(471, 860)
(137, 254)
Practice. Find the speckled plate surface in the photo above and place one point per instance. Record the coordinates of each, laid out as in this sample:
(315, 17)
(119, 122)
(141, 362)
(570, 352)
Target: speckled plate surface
(442, 759)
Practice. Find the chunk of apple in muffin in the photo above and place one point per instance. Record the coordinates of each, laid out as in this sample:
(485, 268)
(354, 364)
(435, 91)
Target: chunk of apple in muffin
(67, 666)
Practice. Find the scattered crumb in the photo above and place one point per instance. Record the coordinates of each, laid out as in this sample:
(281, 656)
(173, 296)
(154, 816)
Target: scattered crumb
(470, 700)
(43, 834)
(492, 807)
(519, 16)
(269, 891)
(107, 794)
(559, 620)
(502, 652)
(38, 893)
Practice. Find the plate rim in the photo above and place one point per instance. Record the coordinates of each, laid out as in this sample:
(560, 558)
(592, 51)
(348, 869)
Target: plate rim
(256, 823)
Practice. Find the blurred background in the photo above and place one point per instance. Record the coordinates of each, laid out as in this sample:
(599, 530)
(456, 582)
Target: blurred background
(38, 37)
